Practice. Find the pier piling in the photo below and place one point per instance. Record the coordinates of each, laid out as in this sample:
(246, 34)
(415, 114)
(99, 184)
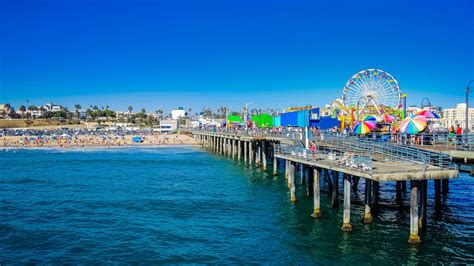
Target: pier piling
(437, 191)
(293, 185)
(346, 225)
(414, 237)
(367, 202)
(335, 190)
(423, 187)
(316, 194)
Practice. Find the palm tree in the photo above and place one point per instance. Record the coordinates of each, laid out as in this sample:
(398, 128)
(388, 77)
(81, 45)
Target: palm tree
(130, 109)
(159, 113)
(77, 107)
(22, 109)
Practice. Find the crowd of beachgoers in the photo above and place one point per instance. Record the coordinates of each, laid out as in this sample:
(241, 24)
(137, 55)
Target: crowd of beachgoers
(81, 138)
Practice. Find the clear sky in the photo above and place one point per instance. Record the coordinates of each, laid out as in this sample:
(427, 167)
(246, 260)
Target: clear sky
(165, 54)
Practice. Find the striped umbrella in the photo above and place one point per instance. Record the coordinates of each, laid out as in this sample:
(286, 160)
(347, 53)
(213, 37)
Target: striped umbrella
(364, 127)
(413, 125)
(373, 118)
(388, 118)
(428, 114)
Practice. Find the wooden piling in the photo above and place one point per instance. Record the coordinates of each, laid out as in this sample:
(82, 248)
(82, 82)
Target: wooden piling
(250, 152)
(398, 192)
(437, 191)
(245, 150)
(275, 165)
(375, 194)
(239, 149)
(327, 178)
(316, 194)
(264, 156)
(346, 225)
(302, 170)
(293, 185)
(368, 193)
(335, 189)
(423, 188)
(445, 187)
(414, 236)
(310, 178)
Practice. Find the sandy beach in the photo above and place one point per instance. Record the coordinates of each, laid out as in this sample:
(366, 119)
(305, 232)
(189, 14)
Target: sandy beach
(84, 141)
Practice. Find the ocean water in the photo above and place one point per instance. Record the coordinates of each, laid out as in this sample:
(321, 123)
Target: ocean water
(179, 205)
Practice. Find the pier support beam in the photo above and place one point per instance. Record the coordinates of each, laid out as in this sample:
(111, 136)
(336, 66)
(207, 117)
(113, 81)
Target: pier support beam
(258, 153)
(233, 150)
(250, 152)
(368, 193)
(398, 192)
(287, 169)
(293, 185)
(335, 190)
(275, 165)
(375, 194)
(316, 194)
(264, 156)
(346, 224)
(302, 170)
(239, 149)
(445, 187)
(245, 151)
(327, 179)
(355, 183)
(310, 179)
(437, 191)
(423, 187)
(414, 236)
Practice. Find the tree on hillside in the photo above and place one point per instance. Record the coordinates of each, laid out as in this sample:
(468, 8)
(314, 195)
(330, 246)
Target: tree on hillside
(130, 109)
(77, 107)
(22, 110)
(159, 113)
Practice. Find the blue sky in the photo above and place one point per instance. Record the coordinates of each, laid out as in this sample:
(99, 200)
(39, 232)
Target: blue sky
(165, 54)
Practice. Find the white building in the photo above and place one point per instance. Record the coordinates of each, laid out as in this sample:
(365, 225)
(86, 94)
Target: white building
(177, 113)
(50, 107)
(168, 125)
(456, 116)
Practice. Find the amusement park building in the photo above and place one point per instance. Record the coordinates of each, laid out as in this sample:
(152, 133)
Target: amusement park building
(456, 116)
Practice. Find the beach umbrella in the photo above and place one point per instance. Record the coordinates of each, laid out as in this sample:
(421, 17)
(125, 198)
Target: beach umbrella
(413, 125)
(428, 114)
(364, 127)
(388, 118)
(373, 119)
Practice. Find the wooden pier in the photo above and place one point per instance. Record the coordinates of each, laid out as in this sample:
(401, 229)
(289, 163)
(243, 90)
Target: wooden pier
(258, 149)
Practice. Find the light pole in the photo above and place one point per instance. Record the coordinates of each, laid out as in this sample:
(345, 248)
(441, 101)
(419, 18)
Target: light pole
(246, 113)
(358, 106)
(466, 128)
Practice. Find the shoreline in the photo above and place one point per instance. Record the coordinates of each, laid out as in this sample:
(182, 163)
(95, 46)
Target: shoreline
(71, 148)
(94, 141)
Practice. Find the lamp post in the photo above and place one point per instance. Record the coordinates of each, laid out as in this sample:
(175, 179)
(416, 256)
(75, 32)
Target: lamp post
(466, 126)
(358, 106)
(246, 112)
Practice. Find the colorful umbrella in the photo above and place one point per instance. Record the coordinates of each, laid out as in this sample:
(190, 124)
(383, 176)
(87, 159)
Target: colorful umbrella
(372, 118)
(428, 114)
(364, 127)
(388, 118)
(413, 125)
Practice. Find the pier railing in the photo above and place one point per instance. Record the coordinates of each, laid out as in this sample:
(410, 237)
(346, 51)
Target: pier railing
(340, 145)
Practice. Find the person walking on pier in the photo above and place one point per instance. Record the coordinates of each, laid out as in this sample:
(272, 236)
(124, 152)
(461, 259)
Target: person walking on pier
(458, 134)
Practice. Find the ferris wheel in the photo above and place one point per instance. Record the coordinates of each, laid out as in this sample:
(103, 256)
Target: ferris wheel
(372, 88)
